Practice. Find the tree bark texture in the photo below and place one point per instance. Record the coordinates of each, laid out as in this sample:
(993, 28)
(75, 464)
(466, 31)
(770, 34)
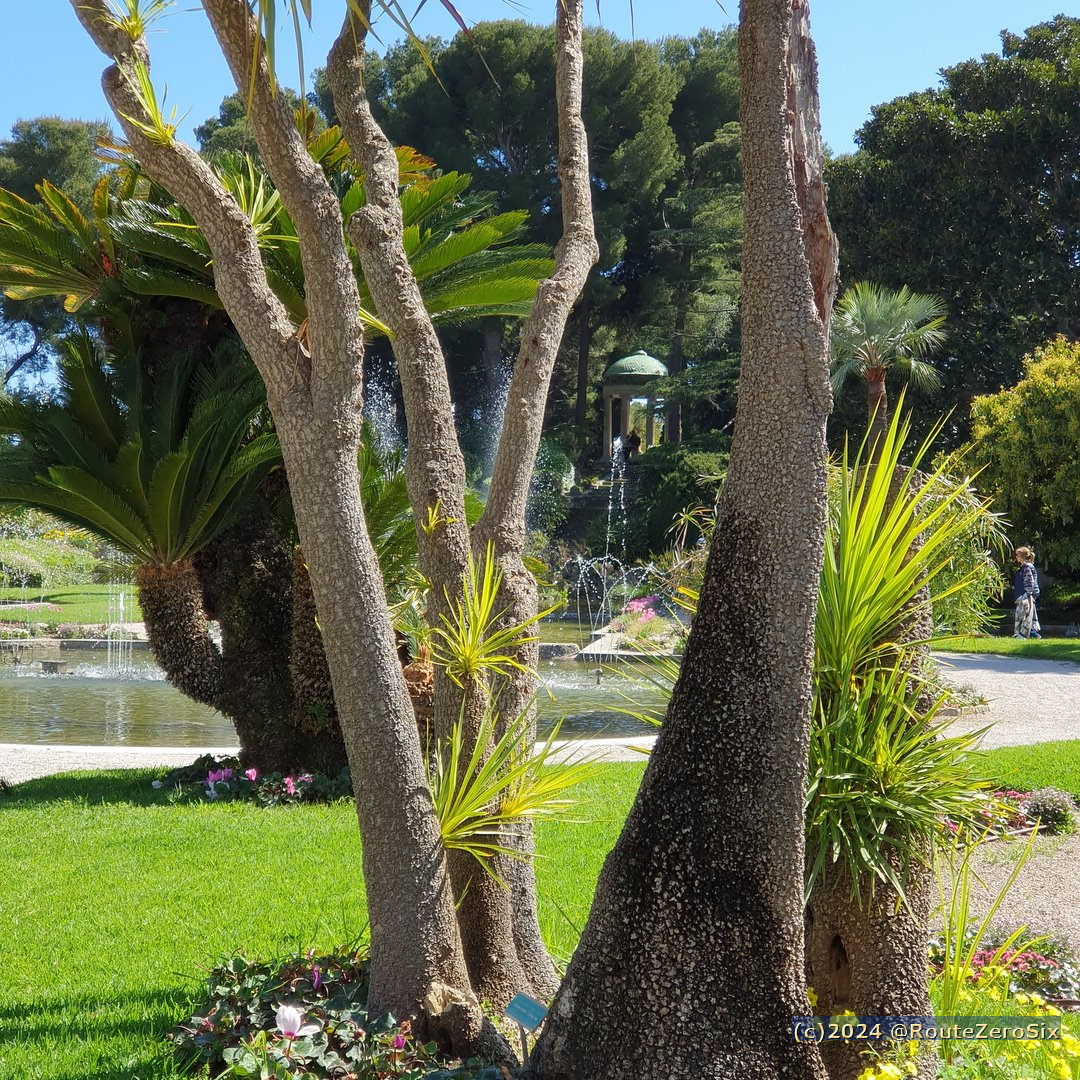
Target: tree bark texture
(176, 627)
(245, 582)
(870, 961)
(314, 392)
(695, 939)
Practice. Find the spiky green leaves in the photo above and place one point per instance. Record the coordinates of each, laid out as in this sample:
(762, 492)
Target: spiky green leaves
(159, 475)
(881, 775)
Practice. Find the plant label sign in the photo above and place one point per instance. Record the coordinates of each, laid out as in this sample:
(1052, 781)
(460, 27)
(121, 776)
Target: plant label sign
(526, 1011)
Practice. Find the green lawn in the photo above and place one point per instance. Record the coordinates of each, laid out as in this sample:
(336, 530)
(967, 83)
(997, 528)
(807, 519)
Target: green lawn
(115, 899)
(77, 603)
(1031, 648)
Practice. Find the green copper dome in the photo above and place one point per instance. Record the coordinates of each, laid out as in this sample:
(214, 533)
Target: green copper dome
(638, 367)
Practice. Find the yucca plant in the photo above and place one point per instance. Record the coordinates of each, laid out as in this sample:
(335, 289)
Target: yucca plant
(891, 536)
(480, 795)
(470, 644)
(884, 776)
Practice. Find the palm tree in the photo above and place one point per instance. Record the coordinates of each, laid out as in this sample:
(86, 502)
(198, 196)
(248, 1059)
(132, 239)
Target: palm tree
(876, 330)
(158, 473)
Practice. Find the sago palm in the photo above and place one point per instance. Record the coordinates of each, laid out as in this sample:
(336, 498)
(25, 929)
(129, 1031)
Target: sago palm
(141, 243)
(876, 331)
(158, 474)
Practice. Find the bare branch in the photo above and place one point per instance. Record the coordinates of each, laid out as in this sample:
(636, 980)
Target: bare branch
(333, 300)
(541, 333)
(239, 275)
(436, 469)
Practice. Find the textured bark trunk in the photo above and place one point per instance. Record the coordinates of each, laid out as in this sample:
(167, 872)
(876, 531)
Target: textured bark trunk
(314, 392)
(176, 627)
(695, 938)
(245, 577)
(872, 962)
(484, 913)
(314, 711)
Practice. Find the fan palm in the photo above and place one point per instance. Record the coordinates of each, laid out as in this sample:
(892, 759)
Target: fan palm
(876, 330)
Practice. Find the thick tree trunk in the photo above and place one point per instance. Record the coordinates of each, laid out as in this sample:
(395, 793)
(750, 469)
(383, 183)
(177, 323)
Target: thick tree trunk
(695, 939)
(245, 577)
(176, 626)
(314, 392)
(871, 961)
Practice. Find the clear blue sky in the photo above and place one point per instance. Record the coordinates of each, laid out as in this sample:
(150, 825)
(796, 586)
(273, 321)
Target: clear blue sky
(869, 51)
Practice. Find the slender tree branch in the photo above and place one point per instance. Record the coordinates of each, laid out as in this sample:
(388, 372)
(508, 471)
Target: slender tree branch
(329, 281)
(542, 331)
(435, 467)
(239, 275)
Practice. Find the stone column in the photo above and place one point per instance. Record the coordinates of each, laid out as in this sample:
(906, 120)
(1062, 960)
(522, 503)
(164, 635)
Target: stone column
(606, 452)
(649, 406)
(624, 415)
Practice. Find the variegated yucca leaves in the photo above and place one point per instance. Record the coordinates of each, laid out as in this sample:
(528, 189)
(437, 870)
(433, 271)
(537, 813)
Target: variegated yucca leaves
(158, 473)
(482, 796)
(472, 641)
(883, 773)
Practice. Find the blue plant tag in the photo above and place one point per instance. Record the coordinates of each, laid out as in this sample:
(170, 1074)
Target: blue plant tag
(526, 1011)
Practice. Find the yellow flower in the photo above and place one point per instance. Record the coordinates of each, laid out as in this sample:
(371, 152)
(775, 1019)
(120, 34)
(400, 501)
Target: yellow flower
(1060, 1067)
(812, 995)
(1022, 999)
(867, 1074)
(890, 1072)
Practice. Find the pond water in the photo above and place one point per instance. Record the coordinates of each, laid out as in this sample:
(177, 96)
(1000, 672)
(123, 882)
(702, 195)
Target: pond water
(92, 704)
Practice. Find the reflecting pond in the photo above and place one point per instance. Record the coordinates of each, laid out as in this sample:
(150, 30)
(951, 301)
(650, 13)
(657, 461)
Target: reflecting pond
(91, 703)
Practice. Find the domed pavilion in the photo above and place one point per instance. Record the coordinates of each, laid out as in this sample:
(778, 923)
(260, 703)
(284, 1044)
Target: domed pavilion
(621, 384)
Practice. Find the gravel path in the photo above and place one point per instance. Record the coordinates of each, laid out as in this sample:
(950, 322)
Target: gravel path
(1031, 701)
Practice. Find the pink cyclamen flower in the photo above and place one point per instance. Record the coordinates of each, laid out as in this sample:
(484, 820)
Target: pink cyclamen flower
(290, 785)
(252, 774)
(214, 776)
(316, 977)
(399, 1042)
(226, 774)
(290, 1022)
(304, 778)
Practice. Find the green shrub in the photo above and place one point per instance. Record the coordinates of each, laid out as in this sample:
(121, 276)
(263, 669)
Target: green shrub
(1026, 439)
(670, 479)
(1053, 807)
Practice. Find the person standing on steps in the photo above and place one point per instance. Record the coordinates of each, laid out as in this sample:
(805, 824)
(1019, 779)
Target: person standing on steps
(1026, 590)
(633, 444)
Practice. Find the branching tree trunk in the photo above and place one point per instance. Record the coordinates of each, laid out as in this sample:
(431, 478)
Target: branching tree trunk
(435, 468)
(313, 384)
(695, 939)
(315, 396)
